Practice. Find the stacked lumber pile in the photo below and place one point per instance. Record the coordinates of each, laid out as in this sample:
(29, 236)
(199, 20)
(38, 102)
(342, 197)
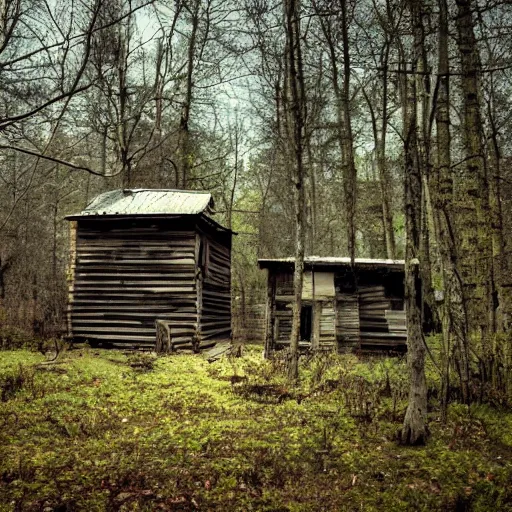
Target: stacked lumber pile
(375, 331)
(347, 324)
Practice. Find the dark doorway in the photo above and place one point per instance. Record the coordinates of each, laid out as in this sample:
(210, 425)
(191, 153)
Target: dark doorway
(306, 322)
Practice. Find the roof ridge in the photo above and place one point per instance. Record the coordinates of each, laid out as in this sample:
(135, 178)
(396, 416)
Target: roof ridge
(150, 201)
(164, 190)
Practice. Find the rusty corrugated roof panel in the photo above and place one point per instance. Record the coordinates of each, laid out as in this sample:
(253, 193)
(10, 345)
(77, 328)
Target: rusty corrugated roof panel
(149, 202)
(320, 261)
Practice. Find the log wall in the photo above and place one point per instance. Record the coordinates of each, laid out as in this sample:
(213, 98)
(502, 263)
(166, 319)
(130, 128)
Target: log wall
(347, 324)
(129, 273)
(214, 289)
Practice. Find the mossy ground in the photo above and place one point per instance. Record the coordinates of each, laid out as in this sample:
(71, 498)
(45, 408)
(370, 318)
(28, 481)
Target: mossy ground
(105, 430)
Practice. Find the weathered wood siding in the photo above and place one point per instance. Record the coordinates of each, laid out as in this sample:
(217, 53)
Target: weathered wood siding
(283, 326)
(374, 303)
(215, 289)
(347, 325)
(370, 317)
(324, 285)
(283, 311)
(328, 326)
(70, 275)
(284, 286)
(130, 272)
(320, 298)
(270, 318)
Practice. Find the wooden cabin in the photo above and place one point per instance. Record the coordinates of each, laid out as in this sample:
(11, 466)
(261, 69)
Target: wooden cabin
(343, 308)
(140, 258)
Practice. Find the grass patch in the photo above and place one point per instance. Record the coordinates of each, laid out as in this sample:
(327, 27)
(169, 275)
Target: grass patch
(108, 431)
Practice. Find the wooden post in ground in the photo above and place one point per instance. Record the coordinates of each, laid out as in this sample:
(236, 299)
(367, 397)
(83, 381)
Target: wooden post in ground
(270, 314)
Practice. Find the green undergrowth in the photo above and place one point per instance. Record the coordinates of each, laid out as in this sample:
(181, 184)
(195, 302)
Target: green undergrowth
(107, 430)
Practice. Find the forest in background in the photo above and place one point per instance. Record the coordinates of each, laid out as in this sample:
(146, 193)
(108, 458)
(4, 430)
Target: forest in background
(379, 128)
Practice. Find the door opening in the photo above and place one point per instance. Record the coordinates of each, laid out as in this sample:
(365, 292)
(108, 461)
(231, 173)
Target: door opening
(306, 322)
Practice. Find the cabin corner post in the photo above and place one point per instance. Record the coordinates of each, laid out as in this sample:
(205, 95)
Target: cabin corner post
(70, 275)
(317, 317)
(317, 314)
(199, 292)
(270, 314)
(230, 287)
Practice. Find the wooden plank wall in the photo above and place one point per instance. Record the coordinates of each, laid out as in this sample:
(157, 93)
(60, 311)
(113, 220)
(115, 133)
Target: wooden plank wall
(283, 327)
(324, 328)
(375, 313)
(215, 304)
(283, 310)
(371, 318)
(70, 275)
(347, 324)
(328, 326)
(130, 273)
(270, 319)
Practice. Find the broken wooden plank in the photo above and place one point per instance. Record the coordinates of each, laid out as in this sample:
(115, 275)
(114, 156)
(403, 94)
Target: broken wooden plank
(216, 352)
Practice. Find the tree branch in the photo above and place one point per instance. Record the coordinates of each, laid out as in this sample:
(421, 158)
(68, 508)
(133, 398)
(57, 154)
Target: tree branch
(57, 160)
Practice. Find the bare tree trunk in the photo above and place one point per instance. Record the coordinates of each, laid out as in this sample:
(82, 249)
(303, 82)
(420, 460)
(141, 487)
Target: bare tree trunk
(55, 225)
(499, 243)
(429, 317)
(295, 121)
(454, 322)
(414, 429)
(123, 114)
(386, 184)
(159, 100)
(184, 149)
(311, 201)
(501, 303)
(387, 25)
(347, 155)
(344, 121)
(231, 202)
(4, 267)
(476, 226)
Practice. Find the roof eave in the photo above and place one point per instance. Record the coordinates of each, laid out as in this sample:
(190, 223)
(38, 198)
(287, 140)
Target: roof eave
(111, 216)
(285, 262)
(78, 216)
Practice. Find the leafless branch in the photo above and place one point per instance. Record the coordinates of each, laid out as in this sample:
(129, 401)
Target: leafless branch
(56, 160)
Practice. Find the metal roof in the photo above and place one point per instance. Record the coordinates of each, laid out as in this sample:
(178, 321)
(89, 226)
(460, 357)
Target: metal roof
(320, 261)
(149, 202)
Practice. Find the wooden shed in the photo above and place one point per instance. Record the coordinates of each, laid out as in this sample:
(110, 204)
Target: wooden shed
(343, 307)
(138, 256)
